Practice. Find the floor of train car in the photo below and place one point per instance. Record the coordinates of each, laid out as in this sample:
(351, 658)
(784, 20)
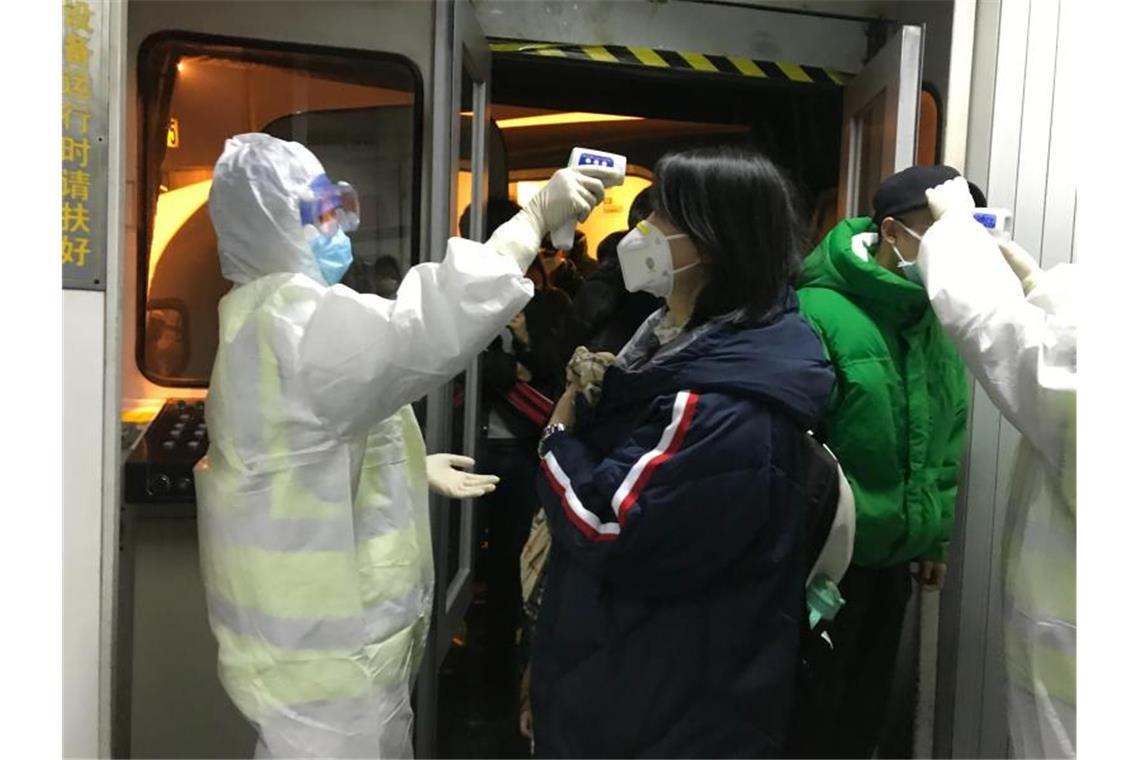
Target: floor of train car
(477, 713)
(476, 717)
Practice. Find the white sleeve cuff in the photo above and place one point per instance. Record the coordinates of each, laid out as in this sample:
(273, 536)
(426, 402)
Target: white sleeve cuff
(518, 239)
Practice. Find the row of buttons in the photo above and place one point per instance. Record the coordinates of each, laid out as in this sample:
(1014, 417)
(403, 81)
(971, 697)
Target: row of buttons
(159, 485)
(193, 439)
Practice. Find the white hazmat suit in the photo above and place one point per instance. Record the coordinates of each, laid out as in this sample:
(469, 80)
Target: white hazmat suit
(1015, 327)
(312, 501)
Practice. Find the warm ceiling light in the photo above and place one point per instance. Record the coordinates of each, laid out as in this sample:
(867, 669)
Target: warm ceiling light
(173, 210)
(570, 117)
(181, 66)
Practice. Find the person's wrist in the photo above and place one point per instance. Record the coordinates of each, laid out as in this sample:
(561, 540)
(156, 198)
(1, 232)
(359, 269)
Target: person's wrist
(561, 415)
(518, 238)
(533, 220)
(544, 440)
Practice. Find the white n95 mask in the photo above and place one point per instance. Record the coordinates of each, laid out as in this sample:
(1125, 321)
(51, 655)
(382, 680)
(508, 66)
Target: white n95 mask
(645, 261)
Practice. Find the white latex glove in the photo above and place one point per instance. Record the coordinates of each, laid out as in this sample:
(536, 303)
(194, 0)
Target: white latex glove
(951, 197)
(569, 195)
(1022, 264)
(446, 479)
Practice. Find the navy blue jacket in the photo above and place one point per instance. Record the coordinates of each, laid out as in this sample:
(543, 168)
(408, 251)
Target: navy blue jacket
(670, 621)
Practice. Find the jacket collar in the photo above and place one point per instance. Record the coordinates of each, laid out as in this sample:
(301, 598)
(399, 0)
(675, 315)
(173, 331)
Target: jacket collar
(835, 265)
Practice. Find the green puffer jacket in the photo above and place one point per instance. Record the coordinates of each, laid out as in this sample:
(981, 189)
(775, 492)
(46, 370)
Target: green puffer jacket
(897, 417)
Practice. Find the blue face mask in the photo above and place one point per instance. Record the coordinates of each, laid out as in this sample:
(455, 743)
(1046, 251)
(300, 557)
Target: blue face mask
(334, 255)
(909, 269)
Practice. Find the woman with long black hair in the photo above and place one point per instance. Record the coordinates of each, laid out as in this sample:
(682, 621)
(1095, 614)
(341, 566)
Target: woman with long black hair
(670, 620)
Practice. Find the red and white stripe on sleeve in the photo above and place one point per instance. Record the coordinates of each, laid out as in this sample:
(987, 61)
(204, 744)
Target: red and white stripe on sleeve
(672, 438)
(583, 519)
(635, 481)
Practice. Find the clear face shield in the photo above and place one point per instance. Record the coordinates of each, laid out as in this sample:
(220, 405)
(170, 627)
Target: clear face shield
(331, 208)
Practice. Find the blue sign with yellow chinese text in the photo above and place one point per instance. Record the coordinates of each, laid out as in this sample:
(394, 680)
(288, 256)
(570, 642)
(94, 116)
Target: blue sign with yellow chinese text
(83, 204)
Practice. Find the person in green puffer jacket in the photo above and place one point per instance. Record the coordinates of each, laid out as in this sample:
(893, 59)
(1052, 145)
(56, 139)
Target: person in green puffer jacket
(896, 421)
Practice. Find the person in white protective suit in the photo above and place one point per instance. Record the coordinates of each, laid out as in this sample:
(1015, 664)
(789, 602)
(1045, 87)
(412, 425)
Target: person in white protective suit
(1015, 326)
(313, 520)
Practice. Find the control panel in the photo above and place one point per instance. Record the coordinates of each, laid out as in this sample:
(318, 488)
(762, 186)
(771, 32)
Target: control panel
(160, 469)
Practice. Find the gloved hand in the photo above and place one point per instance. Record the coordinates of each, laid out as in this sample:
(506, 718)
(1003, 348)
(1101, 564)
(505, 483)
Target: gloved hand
(1022, 264)
(445, 479)
(569, 195)
(951, 197)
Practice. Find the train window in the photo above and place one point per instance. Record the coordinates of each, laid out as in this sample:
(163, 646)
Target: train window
(361, 114)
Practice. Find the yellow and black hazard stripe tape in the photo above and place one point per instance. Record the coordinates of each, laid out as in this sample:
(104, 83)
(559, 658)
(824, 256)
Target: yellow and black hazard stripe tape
(677, 59)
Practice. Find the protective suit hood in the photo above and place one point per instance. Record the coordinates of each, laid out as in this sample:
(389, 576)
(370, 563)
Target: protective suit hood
(254, 205)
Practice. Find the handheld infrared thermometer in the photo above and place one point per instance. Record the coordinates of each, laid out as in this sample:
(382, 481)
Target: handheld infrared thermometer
(999, 222)
(608, 167)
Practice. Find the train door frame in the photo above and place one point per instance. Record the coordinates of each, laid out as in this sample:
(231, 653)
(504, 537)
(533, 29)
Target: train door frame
(430, 230)
(895, 74)
(92, 324)
(960, 648)
(972, 111)
(461, 56)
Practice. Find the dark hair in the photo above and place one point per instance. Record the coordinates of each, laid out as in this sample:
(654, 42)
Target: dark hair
(739, 210)
(499, 210)
(977, 194)
(578, 251)
(607, 249)
(387, 265)
(540, 272)
(641, 207)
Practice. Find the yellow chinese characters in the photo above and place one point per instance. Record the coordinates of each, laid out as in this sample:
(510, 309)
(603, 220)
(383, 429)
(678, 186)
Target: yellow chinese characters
(76, 216)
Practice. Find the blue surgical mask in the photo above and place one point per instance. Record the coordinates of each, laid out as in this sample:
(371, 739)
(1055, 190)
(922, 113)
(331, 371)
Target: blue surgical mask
(908, 269)
(334, 255)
